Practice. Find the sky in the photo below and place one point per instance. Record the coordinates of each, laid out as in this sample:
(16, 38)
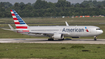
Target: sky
(33, 1)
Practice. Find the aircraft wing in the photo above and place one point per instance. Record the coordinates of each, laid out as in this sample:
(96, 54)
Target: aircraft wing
(45, 33)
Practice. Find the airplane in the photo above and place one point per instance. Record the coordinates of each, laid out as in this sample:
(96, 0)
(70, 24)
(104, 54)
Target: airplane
(54, 32)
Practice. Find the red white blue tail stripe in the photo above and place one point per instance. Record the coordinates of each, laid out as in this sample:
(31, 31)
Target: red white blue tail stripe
(20, 24)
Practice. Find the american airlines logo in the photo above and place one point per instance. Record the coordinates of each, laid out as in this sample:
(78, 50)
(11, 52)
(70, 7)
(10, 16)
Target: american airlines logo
(73, 30)
(86, 29)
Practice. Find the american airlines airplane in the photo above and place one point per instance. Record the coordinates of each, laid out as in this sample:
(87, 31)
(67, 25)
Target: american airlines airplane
(54, 32)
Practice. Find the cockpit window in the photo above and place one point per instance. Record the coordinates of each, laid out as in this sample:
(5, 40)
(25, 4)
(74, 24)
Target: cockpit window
(98, 29)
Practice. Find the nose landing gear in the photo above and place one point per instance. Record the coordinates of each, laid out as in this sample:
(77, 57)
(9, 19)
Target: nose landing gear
(50, 39)
(95, 38)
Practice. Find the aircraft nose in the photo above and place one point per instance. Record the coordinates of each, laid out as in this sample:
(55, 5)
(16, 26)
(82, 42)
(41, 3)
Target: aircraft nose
(100, 32)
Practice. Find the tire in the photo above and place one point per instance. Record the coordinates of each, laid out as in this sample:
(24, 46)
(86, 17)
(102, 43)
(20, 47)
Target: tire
(95, 39)
(61, 39)
(50, 39)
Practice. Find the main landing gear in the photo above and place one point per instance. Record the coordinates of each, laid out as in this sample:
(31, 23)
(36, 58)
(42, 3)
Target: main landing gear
(95, 38)
(50, 39)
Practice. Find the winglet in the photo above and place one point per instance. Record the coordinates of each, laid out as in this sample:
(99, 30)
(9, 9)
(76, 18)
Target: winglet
(66, 23)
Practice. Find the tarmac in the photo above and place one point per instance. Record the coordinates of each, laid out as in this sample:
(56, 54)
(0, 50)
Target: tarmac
(70, 41)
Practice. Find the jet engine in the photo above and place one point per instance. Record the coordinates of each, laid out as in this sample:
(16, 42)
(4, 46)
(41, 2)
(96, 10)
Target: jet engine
(58, 36)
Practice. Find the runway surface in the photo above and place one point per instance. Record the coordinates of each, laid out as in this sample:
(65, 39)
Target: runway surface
(71, 41)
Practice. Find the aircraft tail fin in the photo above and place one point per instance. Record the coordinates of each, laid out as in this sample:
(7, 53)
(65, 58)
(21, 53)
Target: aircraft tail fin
(19, 23)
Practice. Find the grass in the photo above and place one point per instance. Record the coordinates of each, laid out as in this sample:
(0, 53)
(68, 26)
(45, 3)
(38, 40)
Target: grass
(52, 51)
(49, 22)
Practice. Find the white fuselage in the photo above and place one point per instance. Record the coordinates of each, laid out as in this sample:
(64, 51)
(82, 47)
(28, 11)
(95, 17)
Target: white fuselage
(71, 31)
(53, 32)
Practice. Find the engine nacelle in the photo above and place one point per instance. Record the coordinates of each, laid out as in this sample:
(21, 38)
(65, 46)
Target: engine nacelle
(58, 36)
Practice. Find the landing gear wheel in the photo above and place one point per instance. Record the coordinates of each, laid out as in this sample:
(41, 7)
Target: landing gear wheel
(95, 38)
(61, 39)
(50, 39)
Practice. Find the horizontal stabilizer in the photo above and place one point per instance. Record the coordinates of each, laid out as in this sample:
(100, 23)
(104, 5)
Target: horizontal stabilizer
(7, 29)
(10, 27)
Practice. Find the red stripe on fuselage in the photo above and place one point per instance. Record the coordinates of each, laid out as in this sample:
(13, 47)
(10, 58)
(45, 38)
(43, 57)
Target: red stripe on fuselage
(22, 31)
(25, 30)
(21, 27)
